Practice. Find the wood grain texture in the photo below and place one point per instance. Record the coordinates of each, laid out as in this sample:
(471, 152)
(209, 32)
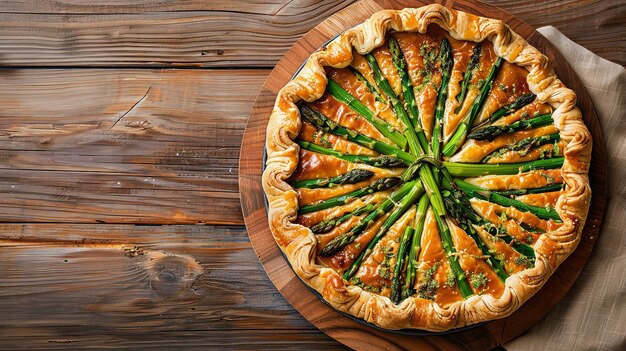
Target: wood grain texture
(120, 286)
(122, 146)
(348, 331)
(196, 33)
(191, 33)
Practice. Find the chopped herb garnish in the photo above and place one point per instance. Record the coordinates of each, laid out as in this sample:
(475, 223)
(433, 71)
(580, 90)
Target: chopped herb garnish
(374, 289)
(497, 255)
(502, 216)
(385, 269)
(324, 141)
(523, 261)
(548, 177)
(450, 280)
(357, 281)
(478, 280)
(480, 83)
(428, 288)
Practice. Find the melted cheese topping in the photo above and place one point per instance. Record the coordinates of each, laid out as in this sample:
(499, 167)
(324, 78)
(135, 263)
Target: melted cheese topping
(510, 83)
(527, 112)
(432, 254)
(310, 219)
(542, 199)
(473, 264)
(492, 213)
(358, 89)
(342, 260)
(426, 80)
(475, 150)
(526, 180)
(480, 73)
(342, 114)
(313, 165)
(309, 196)
(310, 133)
(377, 270)
(385, 62)
(504, 252)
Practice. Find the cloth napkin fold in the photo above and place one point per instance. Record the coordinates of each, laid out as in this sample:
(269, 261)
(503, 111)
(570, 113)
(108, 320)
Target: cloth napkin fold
(592, 316)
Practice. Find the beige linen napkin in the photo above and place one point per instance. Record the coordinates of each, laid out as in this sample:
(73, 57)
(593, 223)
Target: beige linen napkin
(592, 316)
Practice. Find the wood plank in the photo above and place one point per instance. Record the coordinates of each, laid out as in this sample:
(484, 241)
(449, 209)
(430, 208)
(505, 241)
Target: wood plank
(122, 146)
(217, 36)
(194, 33)
(598, 25)
(265, 7)
(86, 285)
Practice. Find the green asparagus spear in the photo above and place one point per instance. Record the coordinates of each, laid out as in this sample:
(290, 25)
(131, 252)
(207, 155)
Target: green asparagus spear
(524, 146)
(445, 56)
(341, 241)
(396, 292)
(508, 109)
(327, 125)
(328, 224)
(477, 169)
(491, 132)
(339, 93)
(351, 177)
(414, 249)
(458, 137)
(376, 161)
(471, 66)
(377, 185)
(398, 109)
(464, 209)
(371, 87)
(407, 91)
(486, 194)
(519, 192)
(453, 205)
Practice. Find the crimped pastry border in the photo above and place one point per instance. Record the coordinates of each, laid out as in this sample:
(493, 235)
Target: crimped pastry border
(299, 243)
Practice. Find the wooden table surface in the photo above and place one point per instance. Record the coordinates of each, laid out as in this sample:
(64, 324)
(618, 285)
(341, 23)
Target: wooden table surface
(120, 128)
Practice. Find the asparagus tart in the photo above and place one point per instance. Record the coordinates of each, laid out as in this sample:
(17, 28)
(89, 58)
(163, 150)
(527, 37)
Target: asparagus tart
(427, 170)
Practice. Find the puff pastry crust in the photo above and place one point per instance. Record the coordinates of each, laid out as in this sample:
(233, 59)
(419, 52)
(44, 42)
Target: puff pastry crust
(300, 244)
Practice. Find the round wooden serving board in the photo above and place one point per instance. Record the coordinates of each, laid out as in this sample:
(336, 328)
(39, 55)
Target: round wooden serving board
(346, 330)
